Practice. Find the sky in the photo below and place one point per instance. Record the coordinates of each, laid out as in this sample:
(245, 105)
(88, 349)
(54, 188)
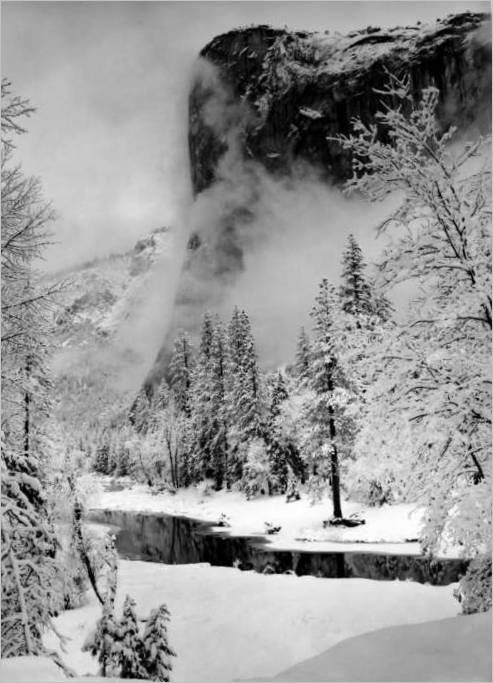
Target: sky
(110, 80)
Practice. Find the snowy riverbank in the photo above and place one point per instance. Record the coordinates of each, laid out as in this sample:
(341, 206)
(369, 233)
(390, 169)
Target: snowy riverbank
(454, 649)
(227, 624)
(387, 529)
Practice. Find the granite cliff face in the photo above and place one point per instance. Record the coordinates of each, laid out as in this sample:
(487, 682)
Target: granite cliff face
(299, 88)
(262, 104)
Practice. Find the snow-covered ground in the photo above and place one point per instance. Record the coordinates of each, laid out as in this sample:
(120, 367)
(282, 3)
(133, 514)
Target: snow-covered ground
(389, 526)
(227, 624)
(454, 649)
(457, 649)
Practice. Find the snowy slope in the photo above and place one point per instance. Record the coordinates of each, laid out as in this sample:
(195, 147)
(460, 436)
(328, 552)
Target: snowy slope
(457, 649)
(101, 294)
(228, 625)
(109, 326)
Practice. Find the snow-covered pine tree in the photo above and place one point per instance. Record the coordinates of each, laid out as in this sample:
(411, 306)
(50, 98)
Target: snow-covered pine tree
(104, 643)
(208, 405)
(246, 405)
(330, 428)
(367, 313)
(219, 380)
(28, 540)
(355, 291)
(181, 371)
(128, 654)
(303, 357)
(141, 412)
(201, 395)
(432, 401)
(156, 652)
(278, 451)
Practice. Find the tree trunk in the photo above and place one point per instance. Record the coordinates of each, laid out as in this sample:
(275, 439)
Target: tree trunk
(334, 467)
(27, 411)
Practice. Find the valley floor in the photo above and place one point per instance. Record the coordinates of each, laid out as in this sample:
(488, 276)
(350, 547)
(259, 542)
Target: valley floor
(388, 528)
(227, 624)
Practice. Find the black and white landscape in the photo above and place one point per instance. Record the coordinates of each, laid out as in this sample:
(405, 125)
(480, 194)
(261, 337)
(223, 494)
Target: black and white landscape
(246, 341)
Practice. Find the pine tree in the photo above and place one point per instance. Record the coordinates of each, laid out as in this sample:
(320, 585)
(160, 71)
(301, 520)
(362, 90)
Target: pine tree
(201, 404)
(246, 406)
(209, 410)
(181, 370)
(303, 356)
(141, 412)
(330, 429)
(128, 656)
(278, 452)
(104, 643)
(355, 291)
(219, 379)
(156, 652)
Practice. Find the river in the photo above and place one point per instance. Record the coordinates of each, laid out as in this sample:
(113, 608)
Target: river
(180, 540)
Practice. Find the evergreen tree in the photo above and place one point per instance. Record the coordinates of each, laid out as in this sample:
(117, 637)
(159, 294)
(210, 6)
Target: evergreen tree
(206, 336)
(181, 369)
(219, 378)
(128, 655)
(201, 399)
(141, 412)
(245, 399)
(277, 450)
(156, 652)
(303, 356)
(104, 644)
(355, 291)
(330, 428)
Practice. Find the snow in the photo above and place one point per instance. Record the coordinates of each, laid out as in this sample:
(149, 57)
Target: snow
(388, 526)
(456, 649)
(227, 624)
(29, 669)
(42, 670)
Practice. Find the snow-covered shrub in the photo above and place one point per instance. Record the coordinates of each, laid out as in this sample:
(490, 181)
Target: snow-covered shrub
(255, 480)
(123, 652)
(373, 484)
(474, 590)
(72, 582)
(205, 488)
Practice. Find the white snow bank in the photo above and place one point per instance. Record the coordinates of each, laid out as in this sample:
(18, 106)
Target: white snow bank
(29, 670)
(227, 624)
(300, 521)
(457, 649)
(42, 670)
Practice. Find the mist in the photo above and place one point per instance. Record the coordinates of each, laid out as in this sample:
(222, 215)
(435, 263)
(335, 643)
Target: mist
(265, 242)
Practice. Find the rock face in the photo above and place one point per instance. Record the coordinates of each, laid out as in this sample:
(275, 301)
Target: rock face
(300, 88)
(262, 104)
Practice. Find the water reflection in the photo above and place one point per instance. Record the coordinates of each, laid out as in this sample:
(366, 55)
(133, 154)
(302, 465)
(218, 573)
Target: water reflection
(180, 540)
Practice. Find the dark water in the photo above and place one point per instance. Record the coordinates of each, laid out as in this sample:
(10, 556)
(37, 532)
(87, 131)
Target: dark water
(180, 540)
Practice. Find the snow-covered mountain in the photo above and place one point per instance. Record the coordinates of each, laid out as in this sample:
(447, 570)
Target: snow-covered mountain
(107, 328)
(99, 296)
